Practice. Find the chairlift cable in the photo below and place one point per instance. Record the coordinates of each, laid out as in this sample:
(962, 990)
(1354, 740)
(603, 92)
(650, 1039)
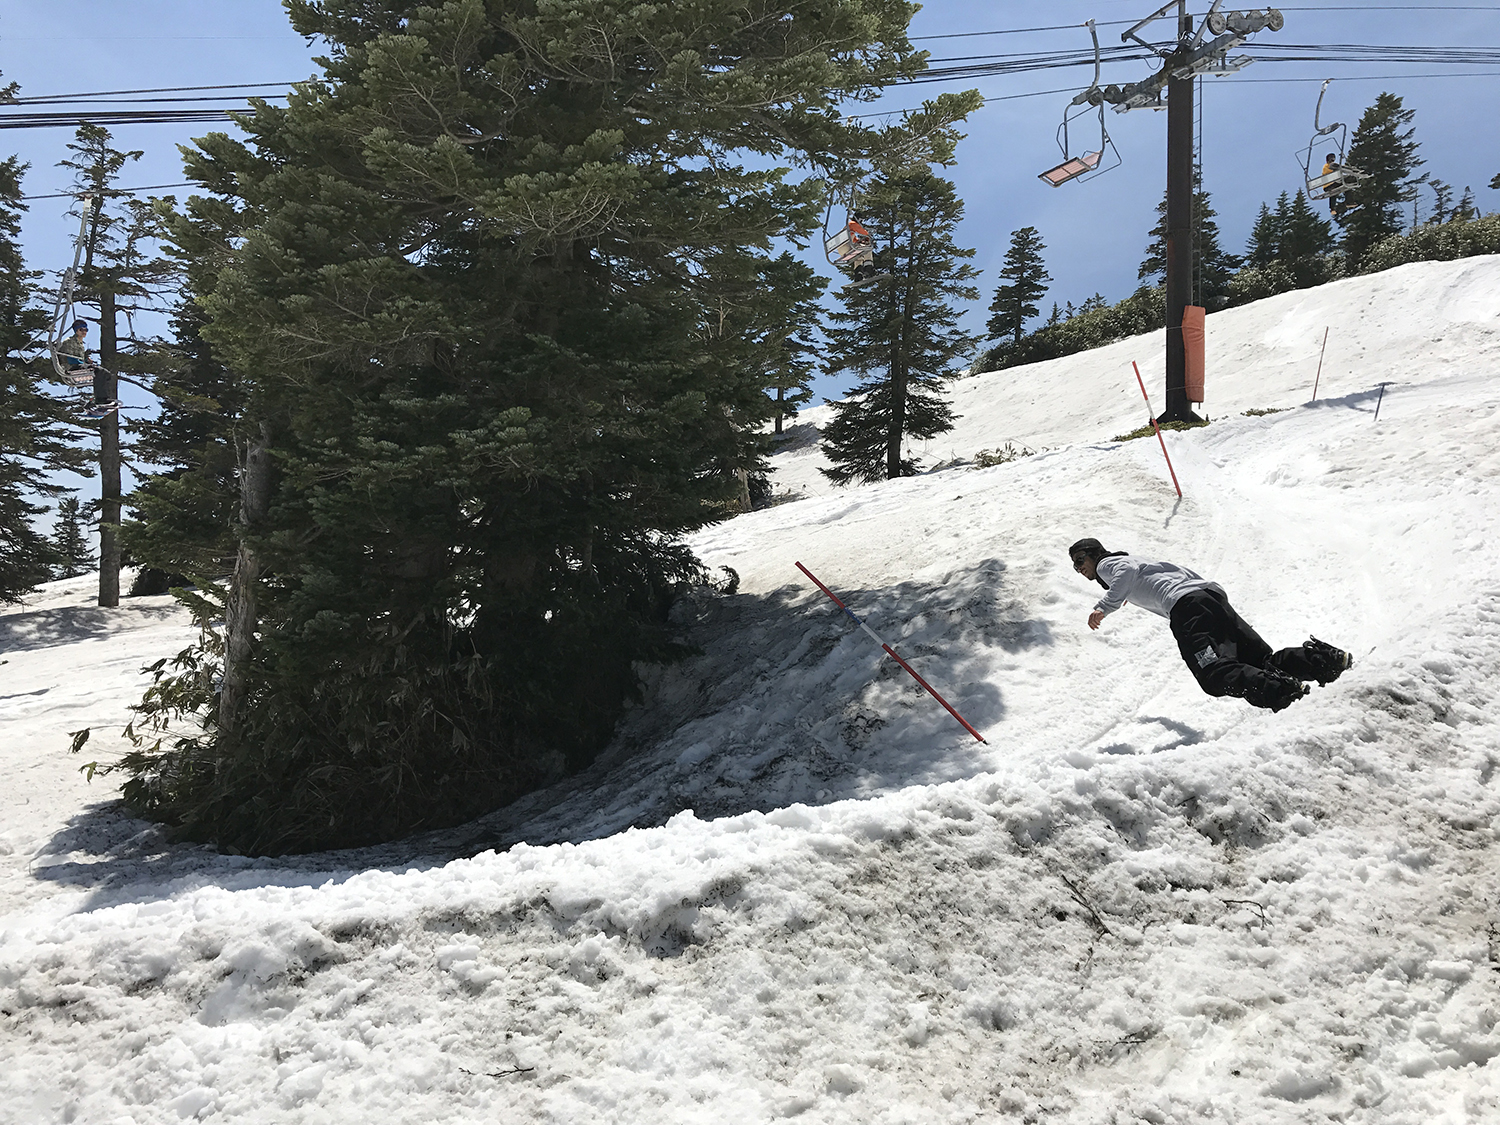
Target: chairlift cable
(150, 90)
(120, 191)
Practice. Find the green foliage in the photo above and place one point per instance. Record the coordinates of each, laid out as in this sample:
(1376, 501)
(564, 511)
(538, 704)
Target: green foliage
(70, 541)
(1143, 311)
(183, 512)
(1212, 265)
(790, 319)
(1149, 430)
(900, 335)
(1290, 248)
(1024, 279)
(1459, 238)
(989, 458)
(33, 427)
(497, 292)
(1383, 147)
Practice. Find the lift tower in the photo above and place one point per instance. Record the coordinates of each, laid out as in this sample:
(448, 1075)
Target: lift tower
(1184, 58)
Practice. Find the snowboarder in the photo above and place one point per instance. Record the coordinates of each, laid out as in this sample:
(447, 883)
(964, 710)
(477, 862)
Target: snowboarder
(1225, 655)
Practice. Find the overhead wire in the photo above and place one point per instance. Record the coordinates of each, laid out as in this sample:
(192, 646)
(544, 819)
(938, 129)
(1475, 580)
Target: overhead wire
(943, 69)
(113, 191)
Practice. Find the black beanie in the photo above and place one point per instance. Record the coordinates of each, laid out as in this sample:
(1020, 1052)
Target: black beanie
(1092, 548)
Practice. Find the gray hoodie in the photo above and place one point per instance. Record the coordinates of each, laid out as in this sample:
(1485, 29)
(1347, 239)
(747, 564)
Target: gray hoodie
(1156, 586)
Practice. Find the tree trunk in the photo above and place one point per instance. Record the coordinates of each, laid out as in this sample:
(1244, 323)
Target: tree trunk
(240, 617)
(109, 460)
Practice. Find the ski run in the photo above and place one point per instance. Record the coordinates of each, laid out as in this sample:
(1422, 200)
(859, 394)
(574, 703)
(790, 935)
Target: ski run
(795, 888)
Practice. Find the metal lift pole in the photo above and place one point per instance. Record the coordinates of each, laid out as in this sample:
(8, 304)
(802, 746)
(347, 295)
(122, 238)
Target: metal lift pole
(1180, 188)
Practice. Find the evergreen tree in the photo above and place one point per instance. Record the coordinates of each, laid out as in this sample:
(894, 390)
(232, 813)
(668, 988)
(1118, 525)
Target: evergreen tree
(765, 313)
(1265, 236)
(1384, 149)
(1213, 267)
(1466, 209)
(472, 312)
(1442, 205)
(33, 434)
(120, 276)
(1024, 280)
(181, 514)
(70, 540)
(901, 335)
(1306, 239)
(184, 512)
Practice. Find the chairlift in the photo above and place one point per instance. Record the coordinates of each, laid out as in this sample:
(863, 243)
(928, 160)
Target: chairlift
(1338, 177)
(851, 248)
(1088, 164)
(73, 370)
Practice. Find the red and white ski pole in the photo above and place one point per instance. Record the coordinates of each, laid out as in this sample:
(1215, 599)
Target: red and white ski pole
(891, 652)
(1159, 438)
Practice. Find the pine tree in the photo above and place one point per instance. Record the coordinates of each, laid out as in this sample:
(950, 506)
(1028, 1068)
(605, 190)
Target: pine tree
(901, 335)
(1384, 149)
(33, 435)
(1442, 205)
(70, 540)
(1265, 236)
(472, 310)
(1466, 209)
(1024, 280)
(181, 515)
(121, 277)
(1213, 267)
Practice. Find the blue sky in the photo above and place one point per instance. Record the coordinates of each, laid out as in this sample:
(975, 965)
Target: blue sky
(1095, 232)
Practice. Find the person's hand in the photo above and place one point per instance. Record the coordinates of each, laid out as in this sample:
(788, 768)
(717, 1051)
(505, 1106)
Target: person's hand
(1095, 619)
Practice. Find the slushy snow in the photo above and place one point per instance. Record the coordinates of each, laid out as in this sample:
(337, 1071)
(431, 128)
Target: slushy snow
(794, 887)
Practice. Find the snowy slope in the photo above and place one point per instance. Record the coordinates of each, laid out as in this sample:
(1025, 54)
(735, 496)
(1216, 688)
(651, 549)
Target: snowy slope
(1133, 903)
(1415, 323)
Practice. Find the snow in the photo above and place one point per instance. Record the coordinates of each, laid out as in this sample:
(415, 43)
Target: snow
(794, 887)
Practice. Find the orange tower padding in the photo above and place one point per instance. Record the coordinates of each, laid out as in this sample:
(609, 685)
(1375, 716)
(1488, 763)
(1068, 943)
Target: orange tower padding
(1192, 343)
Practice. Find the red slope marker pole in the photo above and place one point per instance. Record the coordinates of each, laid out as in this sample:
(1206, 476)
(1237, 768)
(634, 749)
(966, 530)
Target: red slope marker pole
(1159, 438)
(891, 653)
(1319, 375)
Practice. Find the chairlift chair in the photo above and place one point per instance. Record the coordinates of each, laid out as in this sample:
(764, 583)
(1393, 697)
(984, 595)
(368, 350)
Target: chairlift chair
(71, 369)
(1328, 185)
(1088, 164)
(852, 249)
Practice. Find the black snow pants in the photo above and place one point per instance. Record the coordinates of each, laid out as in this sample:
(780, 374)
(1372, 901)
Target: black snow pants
(1225, 655)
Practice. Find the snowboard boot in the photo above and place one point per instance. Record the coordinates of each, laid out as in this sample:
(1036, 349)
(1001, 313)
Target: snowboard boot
(1278, 692)
(1328, 663)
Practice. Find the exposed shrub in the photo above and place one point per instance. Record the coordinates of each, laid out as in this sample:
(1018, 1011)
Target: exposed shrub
(988, 458)
(1143, 311)
(1147, 430)
(1254, 283)
(1460, 238)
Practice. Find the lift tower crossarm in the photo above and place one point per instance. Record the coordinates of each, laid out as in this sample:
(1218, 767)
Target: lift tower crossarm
(1180, 5)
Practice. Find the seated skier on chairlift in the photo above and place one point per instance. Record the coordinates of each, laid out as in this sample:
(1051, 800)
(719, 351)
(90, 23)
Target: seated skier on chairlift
(74, 356)
(853, 248)
(1337, 203)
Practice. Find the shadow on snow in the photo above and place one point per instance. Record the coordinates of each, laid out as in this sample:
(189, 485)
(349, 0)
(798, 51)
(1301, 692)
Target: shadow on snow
(787, 702)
